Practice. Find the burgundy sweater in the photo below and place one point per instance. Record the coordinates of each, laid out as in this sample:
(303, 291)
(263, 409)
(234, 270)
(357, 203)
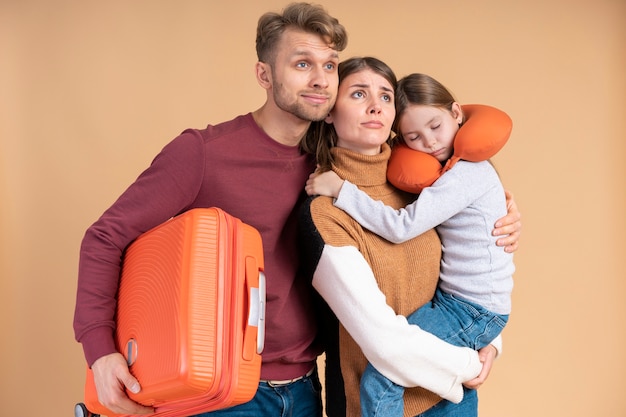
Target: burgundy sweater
(234, 166)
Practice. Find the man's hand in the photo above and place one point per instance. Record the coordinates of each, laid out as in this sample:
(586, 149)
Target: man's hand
(486, 356)
(509, 226)
(111, 377)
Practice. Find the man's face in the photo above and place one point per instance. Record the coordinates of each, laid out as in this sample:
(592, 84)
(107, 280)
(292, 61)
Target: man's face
(304, 75)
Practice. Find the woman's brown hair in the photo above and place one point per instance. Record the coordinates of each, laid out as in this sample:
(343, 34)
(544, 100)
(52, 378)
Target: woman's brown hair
(321, 136)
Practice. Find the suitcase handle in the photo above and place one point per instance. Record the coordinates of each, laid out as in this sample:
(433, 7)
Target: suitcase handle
(255, 326)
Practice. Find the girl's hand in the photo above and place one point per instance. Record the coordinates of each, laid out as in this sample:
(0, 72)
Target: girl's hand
(324, 183)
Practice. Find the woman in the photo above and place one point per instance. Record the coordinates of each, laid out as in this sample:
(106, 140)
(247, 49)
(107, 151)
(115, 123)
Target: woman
(472, 302)
(365, 279)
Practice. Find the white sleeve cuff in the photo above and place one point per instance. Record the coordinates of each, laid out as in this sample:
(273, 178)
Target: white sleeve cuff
(497, 343)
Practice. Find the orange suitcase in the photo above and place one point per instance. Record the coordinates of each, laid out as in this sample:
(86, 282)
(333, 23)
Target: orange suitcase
(190, 315)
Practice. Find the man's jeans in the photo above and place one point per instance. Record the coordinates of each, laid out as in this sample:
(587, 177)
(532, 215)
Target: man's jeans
(299, 398)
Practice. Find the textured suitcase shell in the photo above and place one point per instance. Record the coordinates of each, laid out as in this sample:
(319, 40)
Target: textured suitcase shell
(190, 317)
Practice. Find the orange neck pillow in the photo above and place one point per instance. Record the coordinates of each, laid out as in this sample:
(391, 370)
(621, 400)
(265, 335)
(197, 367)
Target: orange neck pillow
(484, 133)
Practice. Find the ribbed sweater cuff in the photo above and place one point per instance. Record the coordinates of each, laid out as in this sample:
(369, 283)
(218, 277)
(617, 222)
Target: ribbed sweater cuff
(96, 343)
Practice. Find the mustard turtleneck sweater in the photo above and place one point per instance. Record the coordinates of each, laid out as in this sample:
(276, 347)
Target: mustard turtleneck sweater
(371, 285)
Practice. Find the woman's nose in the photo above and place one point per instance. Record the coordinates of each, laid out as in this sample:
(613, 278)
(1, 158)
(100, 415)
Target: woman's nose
(375, 109)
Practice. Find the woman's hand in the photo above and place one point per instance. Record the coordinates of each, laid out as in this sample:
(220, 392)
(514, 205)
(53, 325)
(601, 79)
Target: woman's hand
(486, 355)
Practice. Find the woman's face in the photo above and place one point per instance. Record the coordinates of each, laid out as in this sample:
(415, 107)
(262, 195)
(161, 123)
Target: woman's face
(364, 112)
(430, 129)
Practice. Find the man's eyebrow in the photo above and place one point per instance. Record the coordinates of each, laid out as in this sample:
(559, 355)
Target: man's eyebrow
(306, 52)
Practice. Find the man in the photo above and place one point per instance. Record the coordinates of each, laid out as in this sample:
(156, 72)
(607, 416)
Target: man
(251, 167)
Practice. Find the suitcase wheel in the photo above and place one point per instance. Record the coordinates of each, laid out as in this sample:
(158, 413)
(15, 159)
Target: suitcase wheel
(80, 410)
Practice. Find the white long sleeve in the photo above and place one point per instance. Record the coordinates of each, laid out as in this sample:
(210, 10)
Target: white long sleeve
(404, 353)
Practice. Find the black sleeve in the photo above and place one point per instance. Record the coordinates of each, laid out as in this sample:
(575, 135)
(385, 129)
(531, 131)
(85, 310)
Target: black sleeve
(311, 247)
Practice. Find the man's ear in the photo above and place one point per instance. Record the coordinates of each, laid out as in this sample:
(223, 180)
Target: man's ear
(263, 74)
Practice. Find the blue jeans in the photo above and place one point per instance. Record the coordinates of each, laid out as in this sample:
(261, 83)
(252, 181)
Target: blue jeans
(466, 408)
(454, 320)
(300, 398)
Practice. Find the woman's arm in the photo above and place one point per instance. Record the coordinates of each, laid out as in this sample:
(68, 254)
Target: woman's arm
(404, 353)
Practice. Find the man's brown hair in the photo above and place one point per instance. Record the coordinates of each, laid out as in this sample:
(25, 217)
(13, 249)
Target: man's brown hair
(306, 17)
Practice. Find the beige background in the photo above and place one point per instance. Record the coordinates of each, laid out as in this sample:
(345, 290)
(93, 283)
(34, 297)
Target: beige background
(91, 90)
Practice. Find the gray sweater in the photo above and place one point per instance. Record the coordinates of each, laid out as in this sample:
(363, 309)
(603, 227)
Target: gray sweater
(463, 205)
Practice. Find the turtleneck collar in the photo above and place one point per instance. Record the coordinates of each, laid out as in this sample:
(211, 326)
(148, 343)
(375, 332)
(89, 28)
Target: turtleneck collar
(362, 170)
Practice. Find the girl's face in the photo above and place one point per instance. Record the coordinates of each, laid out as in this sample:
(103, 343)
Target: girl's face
(431, 129)
(364, 112)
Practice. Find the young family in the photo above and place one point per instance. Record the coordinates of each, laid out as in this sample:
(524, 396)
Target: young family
(313, 114)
